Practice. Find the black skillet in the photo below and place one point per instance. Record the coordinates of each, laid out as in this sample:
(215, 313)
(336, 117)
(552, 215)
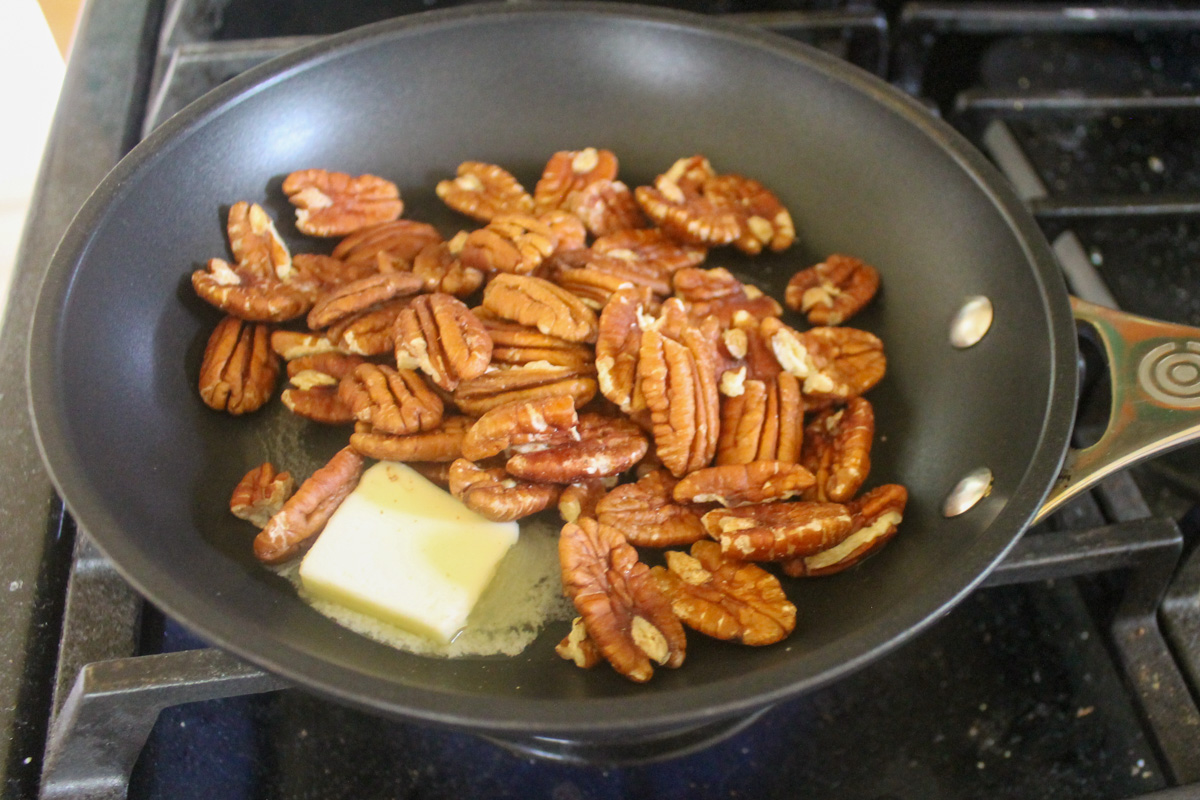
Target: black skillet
(147, 469)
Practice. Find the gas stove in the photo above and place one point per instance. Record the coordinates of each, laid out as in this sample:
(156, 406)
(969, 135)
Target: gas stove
(1073, 672)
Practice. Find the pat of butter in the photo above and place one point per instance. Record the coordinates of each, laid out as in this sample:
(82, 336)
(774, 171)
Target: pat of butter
(402, 550)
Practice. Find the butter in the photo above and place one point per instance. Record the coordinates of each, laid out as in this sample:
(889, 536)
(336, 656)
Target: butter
(401, 550)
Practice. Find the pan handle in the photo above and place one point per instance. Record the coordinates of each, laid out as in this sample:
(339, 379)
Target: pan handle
(1155, 375)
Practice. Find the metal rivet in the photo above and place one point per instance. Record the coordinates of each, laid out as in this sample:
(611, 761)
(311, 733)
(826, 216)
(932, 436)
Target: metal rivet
(967, 492)
(971, 322)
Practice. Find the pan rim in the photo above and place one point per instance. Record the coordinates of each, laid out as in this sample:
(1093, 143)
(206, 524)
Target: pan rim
(685, 706)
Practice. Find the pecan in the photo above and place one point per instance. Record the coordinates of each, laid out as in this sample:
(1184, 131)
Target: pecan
(335, 204)
(877, 514)
(531, 381)
(484, 191)
(441, 444)
(568, 172)
(599, 277)
(257, 247)
(833, 291)
(238, 371)
(725, 598)
(607, 207)
(513, 343)
(314, 392)
(650, 246)
(580, 499)
(319, 404)
(370, 332)
(441, 270)
(568, 230)
(679, 382)
(261, 494)
(439, 335)
(327, 271)
(763, 220)
(399, 239)
(835, 364)
(497, 495)
(514, 243)
(294, 344)
(390, 400)
(776, 531)
(354, 297)
(539, 303)
(743, 484)
(676, 202)
(239, 292)
(764, 422)
(578, 647)
(837, 449)
(306, 512)
(648, 514)
(540, 421)
(618, 344)
(623, 610)
(716, 292)
(605, 446)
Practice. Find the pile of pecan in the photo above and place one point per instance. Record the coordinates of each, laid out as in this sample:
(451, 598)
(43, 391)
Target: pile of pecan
(571, 350)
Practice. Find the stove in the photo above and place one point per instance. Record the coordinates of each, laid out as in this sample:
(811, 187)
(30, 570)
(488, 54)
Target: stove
(1073, 672)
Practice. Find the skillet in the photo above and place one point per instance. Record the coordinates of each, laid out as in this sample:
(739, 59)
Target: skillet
(146, 468)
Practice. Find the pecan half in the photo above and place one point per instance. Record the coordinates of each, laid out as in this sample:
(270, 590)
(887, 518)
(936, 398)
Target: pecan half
(240, 292)
(833, 291)
(602, 275)
(440, 269)
(837, 450)
(306, 512)
(540, 421)
(335, 204)
(238, 371)
(734, 485)
(677, 203)
(725, 598)
(877, 515)
(352, 298)
(580, 499)
(568, 230)
(314, 392)
(327, 271)
(679, 382)
(513, 243)
(541, 304)
(605, 446)
(835, 364)
(497, 495)
(776, 531)
(568, 172)
(716, 292)
(651, 246)
(765, 422)
(390, 400)
(484, 191)
(438, 334)
(261, 493)
(294, 344)
(578, 647)
(257, 247)
(442, 444)
(319, 404)
(399, 239)
(529, 382)
(763, 220)
(607, 207)
(623, 610)
(514, 343)
(618, 344)
(647, 513)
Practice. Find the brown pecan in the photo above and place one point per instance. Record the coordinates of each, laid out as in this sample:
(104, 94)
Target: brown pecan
(605, 446)
(679, 383)
(568, 230)
(764, 222)
(261, 493)
(306, 512)
(539, 303)
(497, 495)
(514, 343)
(238, 371)
(623, 610)
(441, 270)
(743, 484)
(327, 271)
(837, 449)
(529, 382)
(607, 207)
(540, 421)
(833, 291)
(580, 499)
(294, 344)
(319, 404)
(618, 344)
(835, 364)
(239, 292)
(568, 172)
(677, 203)
(484, 191)
(647, 513)
(725, 598)
(651, 246)
(257, 247)
(578, 647)
(877, 514)
(599, 277)
(314, 391)
(513, 243)
(399, 239)
(357, 296)
(370, 332)
(777, 531)
(716, 292)
(438, 445)
(335, 204)
(439, 335)
(390, 400)
(764, 422)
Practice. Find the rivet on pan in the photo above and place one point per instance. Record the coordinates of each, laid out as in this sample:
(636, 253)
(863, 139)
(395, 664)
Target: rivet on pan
(971, 322)
(967, 492)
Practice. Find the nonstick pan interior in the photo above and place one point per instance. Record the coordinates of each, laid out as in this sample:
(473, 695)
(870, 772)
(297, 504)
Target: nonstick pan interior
(147, 468)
